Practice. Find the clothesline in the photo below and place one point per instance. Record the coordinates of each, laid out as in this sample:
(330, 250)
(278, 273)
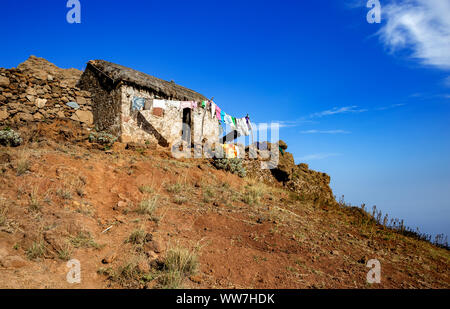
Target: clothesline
(242, 125)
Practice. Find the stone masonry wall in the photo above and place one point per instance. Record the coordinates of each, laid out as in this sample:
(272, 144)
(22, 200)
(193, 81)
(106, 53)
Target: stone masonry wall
(164, 129)
(106, 108)
(38, 90)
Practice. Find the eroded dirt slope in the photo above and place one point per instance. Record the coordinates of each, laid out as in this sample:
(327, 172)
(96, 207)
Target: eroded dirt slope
(126, 215)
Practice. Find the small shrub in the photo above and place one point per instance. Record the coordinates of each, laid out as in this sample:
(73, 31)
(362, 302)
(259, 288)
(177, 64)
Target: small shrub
(208, 194)
(34, 204)
(146, 189)
(102, 138)
(23, 163)
(148, 206)
(9, 137)
(64, 194)
(181, 260)
(128, 275)
(171, 280)
(174, 188)
(137, 237)
(3, 212)
(233, 165)
(253, 194)
(36, 250)
(64, 253)
(178, 264)
(180, 199)
(84, 240)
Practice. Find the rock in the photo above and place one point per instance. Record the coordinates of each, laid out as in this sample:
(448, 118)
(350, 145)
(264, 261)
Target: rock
(303, 166)
(40, 103)
(23, 117)
(109, 258)
(81, 100)
(156, 246)
(196, 279)
(285, 169)
(84, 117)
(120, 205)
(143, 266)
(282, 145)
(5, 158)
(334, 252)
(38, 116)
(31, 91)
(152, 255)
(60, 114)
(14, 262)
(73, 105)
(30, 98)
(3, 115)
(4, 81)
(41, 69)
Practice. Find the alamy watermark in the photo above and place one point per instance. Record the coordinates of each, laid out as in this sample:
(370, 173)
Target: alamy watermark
(209, 149)
(74, 14)
(374, 274)
(74, 274)
(374, 15)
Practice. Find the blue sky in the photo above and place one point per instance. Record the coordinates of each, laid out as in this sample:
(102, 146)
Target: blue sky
(366, 103)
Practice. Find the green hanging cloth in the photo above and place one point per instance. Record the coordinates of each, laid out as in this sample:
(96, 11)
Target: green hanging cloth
(234, 120)
(203, 104)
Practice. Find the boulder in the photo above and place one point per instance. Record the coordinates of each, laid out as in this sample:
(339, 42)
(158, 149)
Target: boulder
(84, 117)
(285, 169)
(282, 145)
(38, 116)
(40, 103)
(14, 262)
(4, 81)
(3, 115)
(23, 117)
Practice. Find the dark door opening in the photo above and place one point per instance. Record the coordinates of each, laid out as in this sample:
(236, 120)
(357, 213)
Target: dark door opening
(186, 133)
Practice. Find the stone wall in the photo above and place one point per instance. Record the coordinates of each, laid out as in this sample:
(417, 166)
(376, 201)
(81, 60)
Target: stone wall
(206, 128)
(38, 90)
(162, 127)
(106, 98)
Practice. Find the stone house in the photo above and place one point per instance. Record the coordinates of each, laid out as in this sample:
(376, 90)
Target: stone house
(124, 103)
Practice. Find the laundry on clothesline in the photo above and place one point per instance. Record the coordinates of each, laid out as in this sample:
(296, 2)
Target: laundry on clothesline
(242, 125)
(230, 151)
(138, 103)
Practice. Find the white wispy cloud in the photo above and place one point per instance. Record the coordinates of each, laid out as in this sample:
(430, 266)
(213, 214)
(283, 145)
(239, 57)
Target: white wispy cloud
(338, 110)
(318, 156)
(325, 132)
(419, 26)
(294, 123)
(390, 106)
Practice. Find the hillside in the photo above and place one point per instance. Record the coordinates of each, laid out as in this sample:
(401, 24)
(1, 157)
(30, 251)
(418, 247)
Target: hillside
(137, 218)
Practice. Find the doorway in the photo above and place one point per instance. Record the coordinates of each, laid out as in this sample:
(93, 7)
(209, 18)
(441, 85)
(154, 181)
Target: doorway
(187, 125)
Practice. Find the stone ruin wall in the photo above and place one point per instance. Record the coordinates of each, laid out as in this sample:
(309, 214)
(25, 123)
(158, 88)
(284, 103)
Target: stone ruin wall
(27, 97)
(106, 111)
